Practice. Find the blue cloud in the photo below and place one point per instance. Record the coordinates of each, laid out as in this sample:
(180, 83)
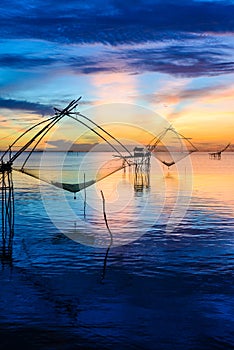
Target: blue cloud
(22, 61)
(37, 108)
(181, 60)
(117, 22)
(113, 22)
(173, 59)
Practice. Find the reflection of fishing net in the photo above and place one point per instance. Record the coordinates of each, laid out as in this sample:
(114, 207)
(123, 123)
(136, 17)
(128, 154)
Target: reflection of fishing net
(169, 147)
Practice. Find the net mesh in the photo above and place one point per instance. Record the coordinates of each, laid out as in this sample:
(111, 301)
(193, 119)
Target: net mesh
(170, 147)
(84, 176)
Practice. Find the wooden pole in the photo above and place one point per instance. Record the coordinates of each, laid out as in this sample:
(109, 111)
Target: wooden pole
(7, 201)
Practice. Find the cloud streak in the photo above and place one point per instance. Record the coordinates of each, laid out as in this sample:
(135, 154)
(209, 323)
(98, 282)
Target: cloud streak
(176, 60)
(187, 94)
(183, 60)
(32, 107)
(24, 62)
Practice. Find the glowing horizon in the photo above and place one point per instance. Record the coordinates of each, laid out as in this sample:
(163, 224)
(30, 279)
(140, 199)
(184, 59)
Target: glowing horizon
(181, 68)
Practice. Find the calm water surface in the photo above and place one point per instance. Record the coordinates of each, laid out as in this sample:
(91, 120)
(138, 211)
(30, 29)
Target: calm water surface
(165, 290)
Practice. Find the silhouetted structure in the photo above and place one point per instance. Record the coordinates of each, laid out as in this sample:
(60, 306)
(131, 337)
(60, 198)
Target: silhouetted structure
(169, 146)
(218, 155)
(6, 166)
(6, 182)
(7, 199)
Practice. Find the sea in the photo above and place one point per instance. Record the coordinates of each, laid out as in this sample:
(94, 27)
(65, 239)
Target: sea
(142, 259)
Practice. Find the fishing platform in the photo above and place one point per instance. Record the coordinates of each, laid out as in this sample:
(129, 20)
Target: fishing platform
(218, 155)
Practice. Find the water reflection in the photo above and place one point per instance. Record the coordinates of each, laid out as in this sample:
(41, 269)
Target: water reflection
(173, 289)
(137, 200)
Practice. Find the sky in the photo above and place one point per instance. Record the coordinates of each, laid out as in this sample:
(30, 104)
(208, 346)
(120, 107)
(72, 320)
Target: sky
(172, 57)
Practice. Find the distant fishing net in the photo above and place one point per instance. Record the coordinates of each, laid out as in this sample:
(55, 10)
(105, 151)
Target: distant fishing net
(169, 147)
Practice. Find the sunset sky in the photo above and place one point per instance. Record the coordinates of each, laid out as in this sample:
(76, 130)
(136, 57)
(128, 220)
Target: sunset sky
(173, 57)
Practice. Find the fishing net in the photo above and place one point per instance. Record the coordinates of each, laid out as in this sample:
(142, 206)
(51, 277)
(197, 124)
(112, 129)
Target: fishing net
(74, 179)
(136, 197)
(169, 147)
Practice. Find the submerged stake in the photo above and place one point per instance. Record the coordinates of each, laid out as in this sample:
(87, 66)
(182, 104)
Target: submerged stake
(111, 237)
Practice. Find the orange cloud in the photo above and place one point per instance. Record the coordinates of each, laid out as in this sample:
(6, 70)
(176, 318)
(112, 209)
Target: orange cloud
(114, 87)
